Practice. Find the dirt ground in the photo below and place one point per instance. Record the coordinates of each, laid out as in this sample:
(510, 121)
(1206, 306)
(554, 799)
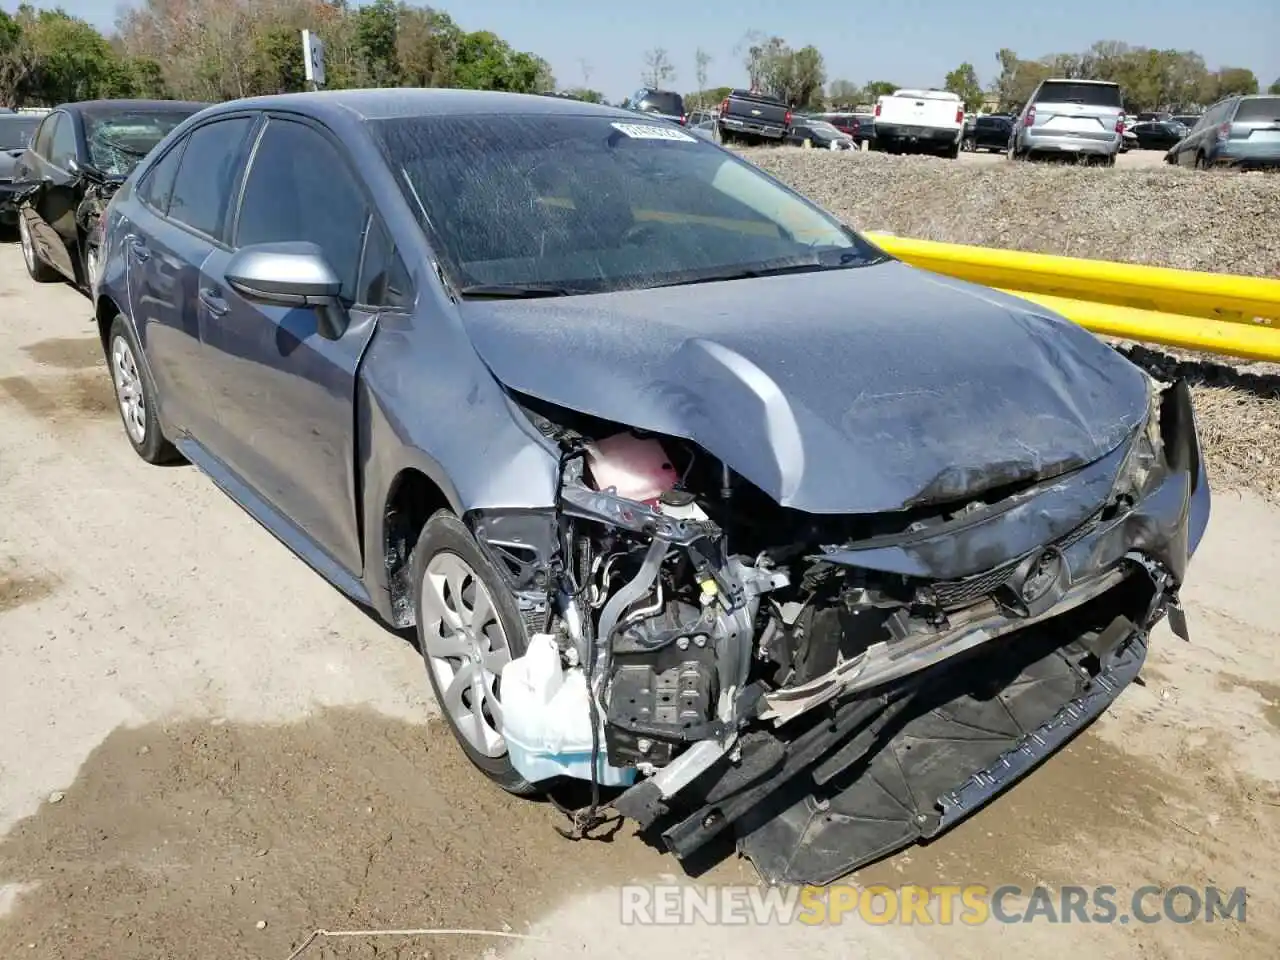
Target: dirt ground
(207, 752)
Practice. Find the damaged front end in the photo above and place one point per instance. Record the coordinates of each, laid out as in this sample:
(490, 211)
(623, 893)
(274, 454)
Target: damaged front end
(827, 689)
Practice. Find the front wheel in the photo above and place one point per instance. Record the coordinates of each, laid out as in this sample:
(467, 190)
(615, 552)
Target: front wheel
(469, 629)
(136, 396)
(40, 271)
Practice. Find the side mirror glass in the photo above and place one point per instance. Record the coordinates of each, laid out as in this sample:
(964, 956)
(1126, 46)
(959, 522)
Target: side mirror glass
(290, 275)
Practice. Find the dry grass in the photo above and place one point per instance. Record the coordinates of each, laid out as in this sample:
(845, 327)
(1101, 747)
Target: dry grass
(1163, 217)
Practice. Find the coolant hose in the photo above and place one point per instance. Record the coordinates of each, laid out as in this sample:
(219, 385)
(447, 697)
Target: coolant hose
(633, 590)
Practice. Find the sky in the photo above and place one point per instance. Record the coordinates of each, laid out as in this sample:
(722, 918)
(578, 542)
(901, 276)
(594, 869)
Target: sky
(913, 43)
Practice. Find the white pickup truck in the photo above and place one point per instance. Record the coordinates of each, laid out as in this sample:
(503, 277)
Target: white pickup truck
(920, 121)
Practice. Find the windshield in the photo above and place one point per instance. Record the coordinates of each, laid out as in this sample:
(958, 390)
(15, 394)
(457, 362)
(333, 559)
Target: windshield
(117, 141)
(585, 204)
(16, 132)
(1090, 94)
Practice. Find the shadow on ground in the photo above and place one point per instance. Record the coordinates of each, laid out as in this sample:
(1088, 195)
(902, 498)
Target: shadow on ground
(175, 841)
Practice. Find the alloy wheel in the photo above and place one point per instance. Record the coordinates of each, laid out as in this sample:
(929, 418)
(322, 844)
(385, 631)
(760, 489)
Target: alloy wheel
(466, 649)
(128, 383)
(28, 248)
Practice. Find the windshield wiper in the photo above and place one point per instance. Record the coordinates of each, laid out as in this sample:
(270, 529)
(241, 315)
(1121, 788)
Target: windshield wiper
(842, 261)
(514, 291)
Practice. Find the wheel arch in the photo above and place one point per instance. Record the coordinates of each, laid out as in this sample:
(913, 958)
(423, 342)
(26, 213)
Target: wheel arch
(411, 498)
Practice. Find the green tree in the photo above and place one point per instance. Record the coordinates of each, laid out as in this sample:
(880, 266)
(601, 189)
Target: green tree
(376, 27)
(278, 65)
(879, 88)
(1235, 80)
(963, 81)
(1017, 80)
(1275, 86)
(843, 93)
(794, 76)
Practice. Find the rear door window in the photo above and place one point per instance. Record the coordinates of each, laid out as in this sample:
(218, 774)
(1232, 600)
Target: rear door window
(1259, 110)
(1088, 94)
(62, 148)
(207, 174)
(157, 185)
(44, 137)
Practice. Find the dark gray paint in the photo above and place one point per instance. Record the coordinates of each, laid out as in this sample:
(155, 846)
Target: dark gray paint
(852, 391)
(861, 390)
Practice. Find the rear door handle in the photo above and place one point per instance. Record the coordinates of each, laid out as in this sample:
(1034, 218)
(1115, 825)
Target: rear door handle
(215, 304)
(139, 249)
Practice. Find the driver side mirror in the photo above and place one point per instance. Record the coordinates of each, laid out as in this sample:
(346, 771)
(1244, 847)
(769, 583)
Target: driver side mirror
(291, 275)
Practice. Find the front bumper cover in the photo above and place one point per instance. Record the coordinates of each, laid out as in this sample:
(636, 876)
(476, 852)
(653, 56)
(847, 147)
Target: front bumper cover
(873, 770)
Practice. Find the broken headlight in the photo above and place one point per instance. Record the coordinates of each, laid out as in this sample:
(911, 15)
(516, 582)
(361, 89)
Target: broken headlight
(1136, 474)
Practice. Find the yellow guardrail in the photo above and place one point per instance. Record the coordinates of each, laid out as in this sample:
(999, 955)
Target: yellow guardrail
(1211, 312)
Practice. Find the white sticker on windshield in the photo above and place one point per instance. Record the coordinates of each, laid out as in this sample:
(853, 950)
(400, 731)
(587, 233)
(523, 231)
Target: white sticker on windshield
(647, 131)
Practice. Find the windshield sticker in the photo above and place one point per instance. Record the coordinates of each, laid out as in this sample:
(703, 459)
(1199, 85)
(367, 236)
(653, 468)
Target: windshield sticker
(646, 131)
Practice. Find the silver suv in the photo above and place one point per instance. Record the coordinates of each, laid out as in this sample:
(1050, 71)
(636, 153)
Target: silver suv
(1080, 117)
(1238, 132)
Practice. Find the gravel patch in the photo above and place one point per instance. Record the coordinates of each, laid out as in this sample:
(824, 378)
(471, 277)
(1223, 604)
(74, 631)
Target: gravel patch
(1163, 216)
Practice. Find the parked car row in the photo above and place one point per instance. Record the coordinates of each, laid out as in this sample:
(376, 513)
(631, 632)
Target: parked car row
(73, 161)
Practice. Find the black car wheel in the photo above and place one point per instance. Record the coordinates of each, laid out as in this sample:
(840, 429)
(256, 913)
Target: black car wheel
(136, 396)
(469, 629)
(40, 271)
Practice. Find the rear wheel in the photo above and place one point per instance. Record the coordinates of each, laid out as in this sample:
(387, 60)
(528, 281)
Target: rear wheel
(136, 397)
(469, 629)
(40, 271)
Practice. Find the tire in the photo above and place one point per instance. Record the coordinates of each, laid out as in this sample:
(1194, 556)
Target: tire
(953, 153)
(447, 551)
(136, 396)
(90, 263)
(40, 271)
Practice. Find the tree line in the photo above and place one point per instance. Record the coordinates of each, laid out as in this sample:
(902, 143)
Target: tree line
(222, 49)
(213, 50)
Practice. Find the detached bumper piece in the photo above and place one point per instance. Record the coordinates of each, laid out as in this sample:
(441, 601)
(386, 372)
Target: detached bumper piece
(872, 776)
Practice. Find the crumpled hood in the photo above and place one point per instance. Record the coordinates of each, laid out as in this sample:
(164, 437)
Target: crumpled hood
(849, 391)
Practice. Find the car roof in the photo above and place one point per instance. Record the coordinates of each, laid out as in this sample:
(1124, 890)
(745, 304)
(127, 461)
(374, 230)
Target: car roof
(1100, 83)
(395, 103)
(138, 106)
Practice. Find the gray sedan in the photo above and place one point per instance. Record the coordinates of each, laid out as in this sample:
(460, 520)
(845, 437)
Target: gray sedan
(683, 486)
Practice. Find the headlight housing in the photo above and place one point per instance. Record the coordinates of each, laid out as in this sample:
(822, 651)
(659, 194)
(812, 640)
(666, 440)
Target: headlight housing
(1136, 475)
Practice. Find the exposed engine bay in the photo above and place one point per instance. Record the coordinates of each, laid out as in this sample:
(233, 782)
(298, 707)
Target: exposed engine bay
(737, 664)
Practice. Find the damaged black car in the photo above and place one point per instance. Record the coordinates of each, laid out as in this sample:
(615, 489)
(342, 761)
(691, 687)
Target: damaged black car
(69, 171)
(690, 493)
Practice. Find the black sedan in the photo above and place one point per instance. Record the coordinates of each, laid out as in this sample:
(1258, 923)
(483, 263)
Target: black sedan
(1159, 135)
(989, 133)
(817, 133)
(16, 130)
(76, 161)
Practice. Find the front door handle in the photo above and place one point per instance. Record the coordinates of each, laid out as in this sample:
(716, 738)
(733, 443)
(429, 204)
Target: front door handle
(139, 249)
(215, 304)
